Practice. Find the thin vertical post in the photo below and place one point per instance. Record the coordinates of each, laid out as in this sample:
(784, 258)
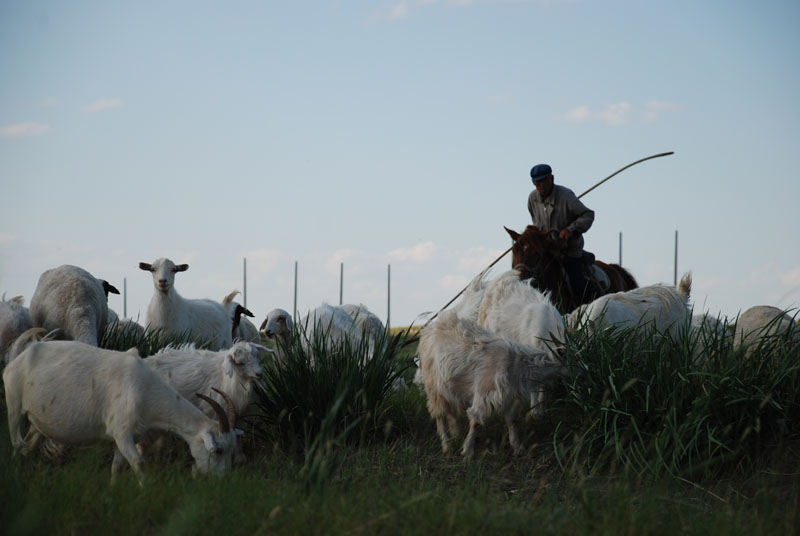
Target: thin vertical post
(675, 275)
(341, 282)
(244, 283)
(620, 248)
(388, 295)
(124, 297)
(294, 308)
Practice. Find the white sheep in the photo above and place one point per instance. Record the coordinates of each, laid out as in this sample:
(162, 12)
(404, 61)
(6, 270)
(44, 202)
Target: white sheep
(15, 319)
(514, 309)
(762, 322)
(204, 319)
(663, 307)
(74, 393)
(466, 367)
(242, 329)
(72, 300)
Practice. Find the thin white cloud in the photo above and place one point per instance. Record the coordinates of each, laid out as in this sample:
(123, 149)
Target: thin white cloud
(655, 108)
(23, 130)
(103, 104)
(420, 253)
(620, 113)
(616, 114)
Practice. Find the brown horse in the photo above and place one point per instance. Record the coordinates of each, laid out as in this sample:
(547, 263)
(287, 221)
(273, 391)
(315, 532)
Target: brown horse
(538, 255)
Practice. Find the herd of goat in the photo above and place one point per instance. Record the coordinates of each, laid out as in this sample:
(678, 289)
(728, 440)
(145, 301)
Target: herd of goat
(495, 351)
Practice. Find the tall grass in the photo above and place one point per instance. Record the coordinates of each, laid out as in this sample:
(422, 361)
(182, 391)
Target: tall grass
(122, 337)
(689, 406)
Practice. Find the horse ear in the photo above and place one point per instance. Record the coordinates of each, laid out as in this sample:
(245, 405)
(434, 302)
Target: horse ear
(514, 235)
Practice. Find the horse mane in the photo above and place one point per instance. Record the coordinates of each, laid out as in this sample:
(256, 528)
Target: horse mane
(626, 279)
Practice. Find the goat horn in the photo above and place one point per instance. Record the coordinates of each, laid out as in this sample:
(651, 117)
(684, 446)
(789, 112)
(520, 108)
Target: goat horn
(224, 423)
(228, 405)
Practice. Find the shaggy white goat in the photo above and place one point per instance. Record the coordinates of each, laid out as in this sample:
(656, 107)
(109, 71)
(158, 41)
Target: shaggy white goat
(515, 310)
(243, 329)
(168, 310)
(191, 370)
(15, 319)
(75, 394)
(466, 367)
(762, 321)
(662, 306)
(72, 300)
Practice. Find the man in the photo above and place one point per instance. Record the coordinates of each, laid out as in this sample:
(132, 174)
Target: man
(556, 208)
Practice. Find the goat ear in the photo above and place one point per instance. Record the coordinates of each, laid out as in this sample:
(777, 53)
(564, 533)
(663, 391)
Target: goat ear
(210, 442)
(227, 365)
(108, 287)
(146, 267)
(181, 267)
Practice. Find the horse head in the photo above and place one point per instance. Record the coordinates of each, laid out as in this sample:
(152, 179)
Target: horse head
(535, 253)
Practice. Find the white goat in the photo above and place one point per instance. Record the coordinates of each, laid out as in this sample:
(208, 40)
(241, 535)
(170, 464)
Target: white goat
(72, 300)
(243, 329)
(331, 324)
(191, 370)
(764, 321)
(366, 320)
(466, 367)
(278, 326)
(515, 310)
(168, 310)
(15, 319)
(664, 307)
(75, 394)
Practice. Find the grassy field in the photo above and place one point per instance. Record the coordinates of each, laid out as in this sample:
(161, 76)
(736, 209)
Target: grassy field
(655, 437)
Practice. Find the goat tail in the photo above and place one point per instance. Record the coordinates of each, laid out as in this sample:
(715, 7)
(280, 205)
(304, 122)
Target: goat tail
(685, 286)
(29, 336)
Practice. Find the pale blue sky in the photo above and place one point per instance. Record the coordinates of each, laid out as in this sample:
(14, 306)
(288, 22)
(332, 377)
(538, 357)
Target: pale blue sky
(395, 132)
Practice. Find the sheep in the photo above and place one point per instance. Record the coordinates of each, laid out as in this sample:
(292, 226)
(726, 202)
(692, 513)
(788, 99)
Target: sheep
(74, 393)
(514, 309)
(760, 322)
(203, 319)
(467, 367)
(72, 300)
(15, 319)
(243, 329)
(664, 307)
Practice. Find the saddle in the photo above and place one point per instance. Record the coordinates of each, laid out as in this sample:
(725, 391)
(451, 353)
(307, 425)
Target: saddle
(594, 272)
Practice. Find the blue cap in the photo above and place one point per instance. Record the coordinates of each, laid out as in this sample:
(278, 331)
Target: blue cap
(540, 171)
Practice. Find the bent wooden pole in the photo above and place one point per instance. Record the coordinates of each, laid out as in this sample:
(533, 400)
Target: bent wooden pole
(509, 249)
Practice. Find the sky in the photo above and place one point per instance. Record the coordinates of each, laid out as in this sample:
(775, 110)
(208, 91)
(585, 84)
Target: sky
(385, 144)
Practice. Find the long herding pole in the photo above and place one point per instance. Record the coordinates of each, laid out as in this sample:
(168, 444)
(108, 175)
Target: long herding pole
(509, 249)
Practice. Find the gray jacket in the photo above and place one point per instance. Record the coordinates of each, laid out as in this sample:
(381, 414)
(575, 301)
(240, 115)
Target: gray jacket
(562, 210)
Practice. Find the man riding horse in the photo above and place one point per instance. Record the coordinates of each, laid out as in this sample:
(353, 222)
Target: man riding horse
(556, 208)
